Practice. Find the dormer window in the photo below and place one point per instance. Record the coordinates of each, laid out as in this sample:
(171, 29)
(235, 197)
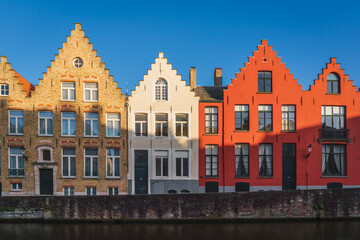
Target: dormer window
(4, 90)
(161, 90)
(333, 85)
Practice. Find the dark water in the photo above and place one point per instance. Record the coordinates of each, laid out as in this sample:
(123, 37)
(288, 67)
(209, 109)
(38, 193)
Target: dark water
(226, 231)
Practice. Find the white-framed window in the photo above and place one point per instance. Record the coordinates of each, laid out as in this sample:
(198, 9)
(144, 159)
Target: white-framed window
(68, 124)
(91, 124)
(78, 62)
(16, 162)
(211, 120)
(182, 125)
(16, 186)
(113, 124)
(161, 90)
(68, 91)
(113, 191)
(69, 162)
(91, 191)
(141, 124)
(161, 124)
(161, 163)
(91, 92)
(182, 163)
(69, 191)
(91, 162)
(211, 160)
(113, 162)
(4, 90)
(16, 122)
(45, 123)
(265, 160)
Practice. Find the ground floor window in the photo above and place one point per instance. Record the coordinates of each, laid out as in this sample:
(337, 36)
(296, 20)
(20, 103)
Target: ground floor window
(265, 160)
(69, 191)
(113, 191)
(91, 191)
(333, 160)
(16, 186)
(182, 163)
(162, 163)
(241, 160)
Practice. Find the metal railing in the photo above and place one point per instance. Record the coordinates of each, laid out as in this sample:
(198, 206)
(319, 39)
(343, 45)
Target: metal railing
(334, 134)
(16, 172)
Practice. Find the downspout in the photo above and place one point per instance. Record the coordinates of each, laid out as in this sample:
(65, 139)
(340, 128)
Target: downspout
(223, 147)
(127, 140)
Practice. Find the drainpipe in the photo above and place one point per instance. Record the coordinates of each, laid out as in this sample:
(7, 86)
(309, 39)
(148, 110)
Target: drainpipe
(223, 147)
(127, 139)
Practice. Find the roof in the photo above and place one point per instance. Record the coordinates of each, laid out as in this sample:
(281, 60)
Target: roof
(27, 86)
(210, 93)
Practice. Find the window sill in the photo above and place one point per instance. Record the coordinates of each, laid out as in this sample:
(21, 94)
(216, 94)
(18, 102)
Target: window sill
(266, 177)
(15, 134)
(113, 137)
(283, 131)
(19, 177)
(211, 134)
(334, 176)
(68, 136)
(241, 131)
(68, 177)
(64, 100)
(244, 177)
(91, 136)
(45, 135)
(333, 94)
(261, 131)
(209, 177)
(264, 92)
(90, 101)
(16, 190)
(95, 178)
(113, 178)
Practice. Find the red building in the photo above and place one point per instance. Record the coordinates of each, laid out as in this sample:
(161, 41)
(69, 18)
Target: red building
(270, 134)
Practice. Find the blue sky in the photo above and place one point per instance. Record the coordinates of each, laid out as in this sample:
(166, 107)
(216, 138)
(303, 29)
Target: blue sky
(206, 34)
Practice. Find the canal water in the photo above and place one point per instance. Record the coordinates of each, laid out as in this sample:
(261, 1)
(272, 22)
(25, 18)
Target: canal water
(190, 231)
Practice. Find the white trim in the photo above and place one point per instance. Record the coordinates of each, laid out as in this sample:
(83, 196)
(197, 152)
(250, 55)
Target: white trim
(45, 123)
(159, 77)
(16, 122)
(91, 163)
(134, 124)
(40, 157)
(68, 119)
(174, 124)
(114, 121)
(168, 124)
(190, 160)
(68, 90)
(153, 176)
(112, 159)
(91, 92)
(91, 124)
(4, 84)
(69, 159)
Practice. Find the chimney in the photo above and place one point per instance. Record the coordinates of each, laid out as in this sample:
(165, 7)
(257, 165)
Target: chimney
(192, 78)
(218, 77)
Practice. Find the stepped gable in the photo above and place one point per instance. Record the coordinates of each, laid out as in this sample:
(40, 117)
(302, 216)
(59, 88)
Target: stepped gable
(27, 86)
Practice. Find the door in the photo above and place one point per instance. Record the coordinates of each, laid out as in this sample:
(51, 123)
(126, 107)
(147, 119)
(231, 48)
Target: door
(46, 181)
(289, 166)
(141, 172)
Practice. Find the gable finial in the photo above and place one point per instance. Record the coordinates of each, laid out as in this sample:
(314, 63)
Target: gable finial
(78, 26)
(161, 55)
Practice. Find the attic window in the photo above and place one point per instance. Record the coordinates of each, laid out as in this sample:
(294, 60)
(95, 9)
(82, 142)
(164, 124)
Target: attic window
(78, 62)
(4, 90)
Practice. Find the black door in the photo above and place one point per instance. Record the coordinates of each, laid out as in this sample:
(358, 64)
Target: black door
(211, 187)
(46, 181)
(0, 189)
(141, 172)
(289, 166)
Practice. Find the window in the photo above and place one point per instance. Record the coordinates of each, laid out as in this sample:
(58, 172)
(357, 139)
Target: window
(69, 162)
(69, 191)
(265, 160)
(162, 163)
(91, 191)
(182, 125)
(16, 162)
(211, 160)
(288, 118)
(333, 83)
(333, 160)
(45, 123)
(242, 117)
(91, 91)
(46, 155)
(91, 124)
(91, 162)
(78, 62)
(264, 82)
(182, 163)
(333, 117)
(68, 91)
(113, 191)
(140, 124)
(113, 125)
(68, 124)
(161, 90)
(211, 120)
(16, 122)
(241, 160)
(4, 90)
(161, 125)
(265, 118)
(113, 162)
(16, 186)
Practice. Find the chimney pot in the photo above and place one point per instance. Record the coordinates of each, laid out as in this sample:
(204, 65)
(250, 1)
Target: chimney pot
(192, 78)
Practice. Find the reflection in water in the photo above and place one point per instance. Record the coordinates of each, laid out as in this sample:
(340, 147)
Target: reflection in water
(228, 231)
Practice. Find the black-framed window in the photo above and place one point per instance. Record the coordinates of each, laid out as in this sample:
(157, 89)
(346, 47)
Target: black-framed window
(333, 160)
(333, 83)
(288, 117)
(241, 160)
(242, 117)
(265, 118)
(211, 120)
(211, 160)
(265, 160)
(333, 117)
(264, 81)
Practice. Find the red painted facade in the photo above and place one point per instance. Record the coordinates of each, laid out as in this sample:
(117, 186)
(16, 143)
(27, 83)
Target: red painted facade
(309, 168)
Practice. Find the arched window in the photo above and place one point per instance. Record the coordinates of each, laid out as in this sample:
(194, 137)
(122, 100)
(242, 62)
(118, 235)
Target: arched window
(333, 83)
(161, 90)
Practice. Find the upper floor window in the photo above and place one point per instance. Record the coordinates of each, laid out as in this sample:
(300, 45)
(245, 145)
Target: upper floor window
(91, 92)
(68, 91)
(91, 124)
(182, 125)
(161, 90)
(91, 162)
(78, 62)
(211, 160)
(265, 159)
(161, 124)
(288, 117)
(333, 83)
(333, 160)
(16, 122)
(68, 124)
(242, 117)
(16, 161)
(113, 125)
(265, 118)
(333, 117)
(161, 163)
(45, 123)
(264, 82)
(140, 124)
(4, 90)
(241, 160)
(211, 120)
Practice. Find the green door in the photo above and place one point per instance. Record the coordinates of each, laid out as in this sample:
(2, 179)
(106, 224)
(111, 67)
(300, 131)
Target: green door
(289, 166)
(141, 172)
(46, 182)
